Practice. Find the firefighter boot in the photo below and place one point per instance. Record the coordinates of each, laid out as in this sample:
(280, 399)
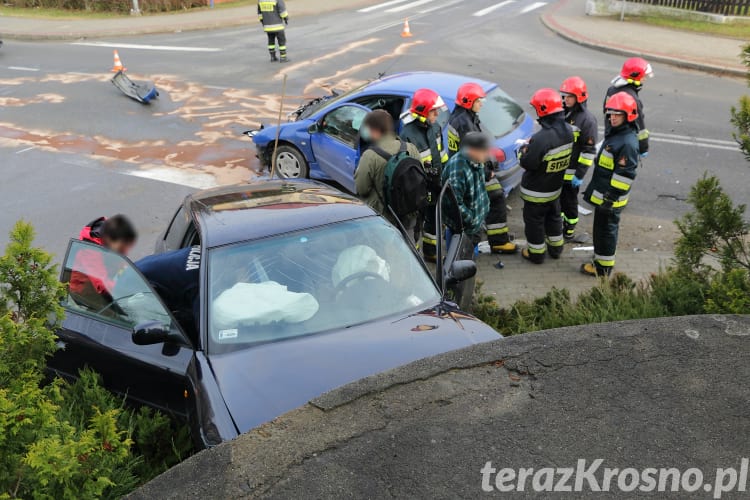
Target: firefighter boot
(535, 258)
(591, 269)
(506, 248)
(569, 231)
(273, 55)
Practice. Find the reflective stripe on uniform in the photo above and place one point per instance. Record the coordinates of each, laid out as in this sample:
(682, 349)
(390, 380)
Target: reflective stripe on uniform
(494, 229)
(620, 182)
(454, 140)
(597, 198)
(643, 134)
(569, 174)
(492, 185)
(425, 155)
(606, 160)
(537, 248)
(570, 221)
(586, 159)
(429, 239)
(605, 260)
(273, 27)
(559, 152)
(267, 6)
(272, 47)
(555, 241)
(539, 197)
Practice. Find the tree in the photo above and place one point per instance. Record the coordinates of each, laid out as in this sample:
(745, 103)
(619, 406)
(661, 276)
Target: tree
(741, 114)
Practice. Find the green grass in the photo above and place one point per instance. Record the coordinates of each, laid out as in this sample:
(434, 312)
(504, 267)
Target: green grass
(46, 13)
(738, 29)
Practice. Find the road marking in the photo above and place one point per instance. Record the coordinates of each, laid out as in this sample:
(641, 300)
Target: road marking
(533, 6)
(22, 68)
(686, 140)
(691, 138)
(175, 176)
(696, 143)
(381, 5)
(441, 6)
(409, 5)
(26, 149)
(492, 8)
(170, 48)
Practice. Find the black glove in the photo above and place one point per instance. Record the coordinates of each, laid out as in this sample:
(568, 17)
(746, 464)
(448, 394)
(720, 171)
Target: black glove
(286, 20)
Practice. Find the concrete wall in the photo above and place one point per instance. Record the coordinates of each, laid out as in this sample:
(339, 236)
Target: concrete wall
(614, 7)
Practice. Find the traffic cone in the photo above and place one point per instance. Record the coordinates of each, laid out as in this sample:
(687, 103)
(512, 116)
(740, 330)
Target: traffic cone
(118, 64)
(406, 33)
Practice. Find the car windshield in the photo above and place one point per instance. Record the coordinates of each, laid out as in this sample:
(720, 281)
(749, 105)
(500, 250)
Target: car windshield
(500, 113)
(325, 278)
(321, 103)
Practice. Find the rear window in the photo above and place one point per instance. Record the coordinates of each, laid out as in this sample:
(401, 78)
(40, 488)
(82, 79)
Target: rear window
(500, 113)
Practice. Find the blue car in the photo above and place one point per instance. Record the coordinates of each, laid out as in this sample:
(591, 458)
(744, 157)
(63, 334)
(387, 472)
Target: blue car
(322, 140)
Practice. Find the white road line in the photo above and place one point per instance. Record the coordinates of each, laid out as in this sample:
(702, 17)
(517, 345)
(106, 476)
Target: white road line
(382, 5)
(691, 138)
(688, 140)
(533, 6)
(441, 6)
(696, 144)
(409, 5)
(170, 48)
(492, 8)
(26, 149)
(22, 68)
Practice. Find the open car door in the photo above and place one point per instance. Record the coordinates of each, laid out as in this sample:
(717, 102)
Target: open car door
(107, 300)
(335, 142)
(456, 269)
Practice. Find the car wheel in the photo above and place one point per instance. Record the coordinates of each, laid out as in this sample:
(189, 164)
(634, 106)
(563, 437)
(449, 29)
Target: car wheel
(290, 163)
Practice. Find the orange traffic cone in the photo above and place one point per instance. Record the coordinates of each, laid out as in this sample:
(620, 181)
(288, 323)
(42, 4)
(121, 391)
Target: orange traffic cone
(406, 33)
(118, 64)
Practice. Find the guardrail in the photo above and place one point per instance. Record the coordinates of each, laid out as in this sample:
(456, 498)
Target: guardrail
(721, 7)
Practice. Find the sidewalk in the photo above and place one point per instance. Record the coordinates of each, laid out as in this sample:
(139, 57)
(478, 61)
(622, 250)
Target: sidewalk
(709, 53)
(35, 28)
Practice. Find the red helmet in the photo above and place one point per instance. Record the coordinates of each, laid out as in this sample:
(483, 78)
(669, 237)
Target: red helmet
(468, 93)
(575, 86)
(546, 102)
(635, 70)
(623, 103)
(424, 101)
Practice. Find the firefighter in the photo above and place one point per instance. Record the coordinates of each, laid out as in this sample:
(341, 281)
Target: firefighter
(614, 172)
(426, 134)
(464, 119)
(273, 16)
(634, 72)
(575, 97)
(545, 159)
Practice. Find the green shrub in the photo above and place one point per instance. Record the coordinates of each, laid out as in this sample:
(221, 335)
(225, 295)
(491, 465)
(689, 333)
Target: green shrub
(118, 6)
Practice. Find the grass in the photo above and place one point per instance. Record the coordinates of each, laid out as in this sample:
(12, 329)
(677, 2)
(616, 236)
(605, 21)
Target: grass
(61, 14)
(737, 29)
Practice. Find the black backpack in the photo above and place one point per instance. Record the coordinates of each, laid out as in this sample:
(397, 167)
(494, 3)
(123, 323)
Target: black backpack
(405, 184)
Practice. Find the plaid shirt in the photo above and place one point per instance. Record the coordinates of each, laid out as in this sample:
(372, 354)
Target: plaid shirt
(467, 181)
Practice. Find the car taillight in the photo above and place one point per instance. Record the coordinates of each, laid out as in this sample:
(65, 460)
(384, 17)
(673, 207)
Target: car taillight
(499, 155)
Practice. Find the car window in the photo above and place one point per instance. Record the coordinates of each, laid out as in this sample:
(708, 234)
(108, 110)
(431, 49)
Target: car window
(322, 279)
(106, 286)
(177, 229)
(343, 124)
(500, 113)
(393, 104)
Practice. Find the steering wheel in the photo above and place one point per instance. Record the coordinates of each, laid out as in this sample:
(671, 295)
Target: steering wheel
(361, 275)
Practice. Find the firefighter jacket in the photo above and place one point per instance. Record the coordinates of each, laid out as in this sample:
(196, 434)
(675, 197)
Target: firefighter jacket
(584, 153)
(272, 14)
(428, 138)
(642, 131)
(546, 158)
(615, 168)
(461, 122)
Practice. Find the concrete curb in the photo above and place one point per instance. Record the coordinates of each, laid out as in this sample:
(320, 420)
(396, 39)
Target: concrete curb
(550, 22)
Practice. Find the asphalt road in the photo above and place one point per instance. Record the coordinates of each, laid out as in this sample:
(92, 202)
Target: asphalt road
(97, 152)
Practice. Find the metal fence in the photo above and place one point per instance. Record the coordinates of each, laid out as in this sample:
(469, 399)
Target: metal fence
(723, 7)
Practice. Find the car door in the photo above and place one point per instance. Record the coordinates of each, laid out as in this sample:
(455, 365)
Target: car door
(335, 142)
(459, 250)
(107, 297)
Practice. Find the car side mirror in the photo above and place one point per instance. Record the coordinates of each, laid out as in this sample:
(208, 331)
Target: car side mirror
(461, 270)
(155, 332)
(313, 129)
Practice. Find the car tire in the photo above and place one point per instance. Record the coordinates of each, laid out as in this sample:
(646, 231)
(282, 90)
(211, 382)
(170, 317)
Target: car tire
(290, 163)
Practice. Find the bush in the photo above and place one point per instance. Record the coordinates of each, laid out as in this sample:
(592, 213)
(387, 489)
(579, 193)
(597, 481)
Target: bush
(118, 6)
(741, 114)
(60, 441)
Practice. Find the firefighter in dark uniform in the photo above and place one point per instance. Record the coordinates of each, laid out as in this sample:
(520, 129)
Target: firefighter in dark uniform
(273, 15)
(545, 159)
(630, 80)
(464, 119)
(575, 95)
(614, 172)
(425, 133)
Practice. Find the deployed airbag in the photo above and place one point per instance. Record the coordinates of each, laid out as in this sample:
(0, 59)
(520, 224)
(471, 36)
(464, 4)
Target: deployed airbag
(248, 304)
(358, 259)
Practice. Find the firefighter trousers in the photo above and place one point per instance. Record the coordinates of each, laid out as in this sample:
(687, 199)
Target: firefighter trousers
(606, 228)
(273, 38)
(430, 231)
(569, 205)
(497, 218)
(543, 229)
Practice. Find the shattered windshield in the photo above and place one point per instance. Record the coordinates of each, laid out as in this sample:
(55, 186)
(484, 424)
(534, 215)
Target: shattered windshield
(321, 279)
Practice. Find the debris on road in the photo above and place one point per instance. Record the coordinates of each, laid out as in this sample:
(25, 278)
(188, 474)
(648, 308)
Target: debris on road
(141, 92)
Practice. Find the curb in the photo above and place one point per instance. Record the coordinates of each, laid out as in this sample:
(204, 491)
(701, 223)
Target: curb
(549, 21)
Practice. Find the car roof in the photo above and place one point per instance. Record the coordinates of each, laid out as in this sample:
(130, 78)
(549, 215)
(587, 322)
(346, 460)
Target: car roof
(248, 211)
(445, 84)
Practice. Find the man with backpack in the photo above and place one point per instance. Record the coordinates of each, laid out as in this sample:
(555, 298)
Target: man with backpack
(390, 177)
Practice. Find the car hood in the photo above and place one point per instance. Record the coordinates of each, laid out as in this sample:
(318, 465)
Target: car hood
(265, 381)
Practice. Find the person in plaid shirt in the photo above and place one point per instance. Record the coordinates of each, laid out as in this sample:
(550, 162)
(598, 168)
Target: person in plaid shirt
(465, 172)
